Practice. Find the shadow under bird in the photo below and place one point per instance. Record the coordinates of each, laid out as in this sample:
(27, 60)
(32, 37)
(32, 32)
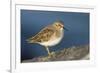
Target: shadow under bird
(49, 36)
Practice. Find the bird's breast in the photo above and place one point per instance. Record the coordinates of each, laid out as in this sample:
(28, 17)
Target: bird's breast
(55, 39)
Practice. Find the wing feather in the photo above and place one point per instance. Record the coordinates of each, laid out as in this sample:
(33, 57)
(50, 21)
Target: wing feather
(43, 36)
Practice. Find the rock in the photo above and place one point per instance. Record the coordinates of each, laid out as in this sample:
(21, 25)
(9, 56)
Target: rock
(72, 53)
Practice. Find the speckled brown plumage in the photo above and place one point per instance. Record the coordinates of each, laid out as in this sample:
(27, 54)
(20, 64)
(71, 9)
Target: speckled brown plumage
(49, 35)
(43, 36)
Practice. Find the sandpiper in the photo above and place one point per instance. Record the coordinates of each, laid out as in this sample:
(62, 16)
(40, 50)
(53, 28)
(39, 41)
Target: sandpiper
(49, 36)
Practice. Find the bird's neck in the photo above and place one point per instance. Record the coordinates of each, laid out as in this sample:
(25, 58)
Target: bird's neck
(59, 32)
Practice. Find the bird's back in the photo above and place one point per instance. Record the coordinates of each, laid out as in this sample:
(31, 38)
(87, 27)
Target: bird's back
(43, 36)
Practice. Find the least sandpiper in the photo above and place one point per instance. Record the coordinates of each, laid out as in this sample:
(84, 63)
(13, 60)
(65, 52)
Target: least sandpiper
(49, 36)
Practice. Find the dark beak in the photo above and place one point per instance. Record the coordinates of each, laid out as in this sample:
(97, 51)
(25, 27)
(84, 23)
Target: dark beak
(65, 29)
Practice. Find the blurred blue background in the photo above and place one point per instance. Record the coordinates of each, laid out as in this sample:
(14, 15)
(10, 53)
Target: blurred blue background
(33, 21)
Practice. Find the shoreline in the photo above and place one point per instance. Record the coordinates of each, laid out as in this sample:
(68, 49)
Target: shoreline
(67, 54)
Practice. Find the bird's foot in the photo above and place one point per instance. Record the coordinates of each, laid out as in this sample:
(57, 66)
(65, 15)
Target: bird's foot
(46, 58)
(53, 54)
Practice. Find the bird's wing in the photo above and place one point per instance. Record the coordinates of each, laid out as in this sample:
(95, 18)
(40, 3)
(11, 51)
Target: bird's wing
(43, 36)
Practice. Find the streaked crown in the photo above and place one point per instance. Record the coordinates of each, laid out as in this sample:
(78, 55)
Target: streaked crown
(58, 24)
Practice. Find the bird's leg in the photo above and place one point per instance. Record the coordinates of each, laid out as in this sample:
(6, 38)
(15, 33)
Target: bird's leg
(51, 54)
(48, 51)
(48, 57)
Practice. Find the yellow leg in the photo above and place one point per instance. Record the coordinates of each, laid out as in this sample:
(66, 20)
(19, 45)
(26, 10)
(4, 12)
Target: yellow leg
(48, 57)
(51, 54)
(48, 51)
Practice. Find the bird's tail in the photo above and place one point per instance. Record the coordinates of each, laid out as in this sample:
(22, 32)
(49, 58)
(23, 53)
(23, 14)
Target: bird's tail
(30, 41)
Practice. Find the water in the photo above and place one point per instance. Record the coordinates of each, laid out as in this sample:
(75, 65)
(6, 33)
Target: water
(33, 21)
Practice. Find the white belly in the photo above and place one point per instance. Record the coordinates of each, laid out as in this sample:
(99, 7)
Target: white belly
(54, 41)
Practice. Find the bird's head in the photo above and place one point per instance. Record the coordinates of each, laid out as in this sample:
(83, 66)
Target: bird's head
(59, 25)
